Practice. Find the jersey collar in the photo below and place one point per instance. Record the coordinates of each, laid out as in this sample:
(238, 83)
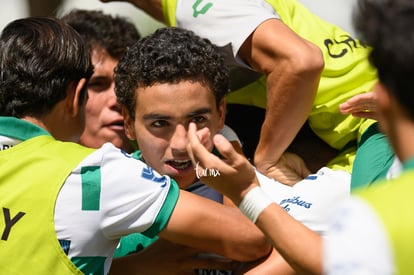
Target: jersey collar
(20, 129)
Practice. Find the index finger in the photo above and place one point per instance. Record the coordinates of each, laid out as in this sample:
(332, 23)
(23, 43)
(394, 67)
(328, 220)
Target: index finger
(196, 149)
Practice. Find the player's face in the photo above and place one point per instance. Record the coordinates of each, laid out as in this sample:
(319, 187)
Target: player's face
(386, 112)
(104, 121)
(162, 115)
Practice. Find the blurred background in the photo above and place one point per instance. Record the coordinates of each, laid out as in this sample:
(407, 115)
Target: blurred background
(338, 12)
(13, 9)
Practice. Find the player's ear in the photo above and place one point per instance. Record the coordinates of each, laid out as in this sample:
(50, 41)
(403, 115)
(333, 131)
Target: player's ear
(128, 124)
(384, 97)
(76, 97)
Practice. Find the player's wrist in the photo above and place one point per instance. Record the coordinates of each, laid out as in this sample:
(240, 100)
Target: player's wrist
(254, 202)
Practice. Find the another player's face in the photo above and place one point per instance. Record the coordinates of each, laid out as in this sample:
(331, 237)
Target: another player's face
(385, 111)
(104, 121)
(162, 115)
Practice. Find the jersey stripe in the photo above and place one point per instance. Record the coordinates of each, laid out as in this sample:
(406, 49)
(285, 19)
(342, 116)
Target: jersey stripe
(91, 188)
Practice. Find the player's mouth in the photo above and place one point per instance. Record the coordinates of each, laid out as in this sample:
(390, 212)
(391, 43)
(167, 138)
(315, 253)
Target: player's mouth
(180, 164)
(117, 125)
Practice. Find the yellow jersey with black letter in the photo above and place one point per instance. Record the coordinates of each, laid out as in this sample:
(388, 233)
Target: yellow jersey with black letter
(64, 207)
(347, 69)
(29, 244)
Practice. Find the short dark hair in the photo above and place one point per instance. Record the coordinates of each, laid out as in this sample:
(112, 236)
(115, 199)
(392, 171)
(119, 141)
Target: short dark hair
(39, 58)
(170, 55)
(387, 26)
(112, 33)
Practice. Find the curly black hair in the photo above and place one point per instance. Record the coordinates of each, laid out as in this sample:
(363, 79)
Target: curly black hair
(170, 55)
(111, 32)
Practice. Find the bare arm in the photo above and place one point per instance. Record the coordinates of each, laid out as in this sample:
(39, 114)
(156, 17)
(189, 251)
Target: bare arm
(291, 239)
(273, 264)
(209, 226)
(293, 66)
(301, 247)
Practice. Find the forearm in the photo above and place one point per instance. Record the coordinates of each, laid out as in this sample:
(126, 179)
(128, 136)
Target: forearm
(291, 93)
(248, 243)
(215, 228)
(273, 264)
(289, 237)
(293, 67)
(292, 240)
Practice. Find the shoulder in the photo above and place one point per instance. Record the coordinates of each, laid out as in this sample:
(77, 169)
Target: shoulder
(207, 18)
(107, 154)
(115, 165)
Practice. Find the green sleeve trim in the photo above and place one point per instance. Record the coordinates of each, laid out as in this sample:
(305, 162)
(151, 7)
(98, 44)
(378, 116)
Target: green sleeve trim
(90, 265)
(165, 212)
(20, 129)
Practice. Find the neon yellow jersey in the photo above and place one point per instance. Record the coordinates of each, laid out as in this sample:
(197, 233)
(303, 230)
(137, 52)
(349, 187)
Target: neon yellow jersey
(347, 69)
(347, 72)
(392, 201)
(168, 9)
(28, 244)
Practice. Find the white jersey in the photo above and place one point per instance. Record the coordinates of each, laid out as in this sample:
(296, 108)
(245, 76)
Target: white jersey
(218, 26)
(356, 223)
(312, 200)
(132, 198)
(230, 135)
(395, 169)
